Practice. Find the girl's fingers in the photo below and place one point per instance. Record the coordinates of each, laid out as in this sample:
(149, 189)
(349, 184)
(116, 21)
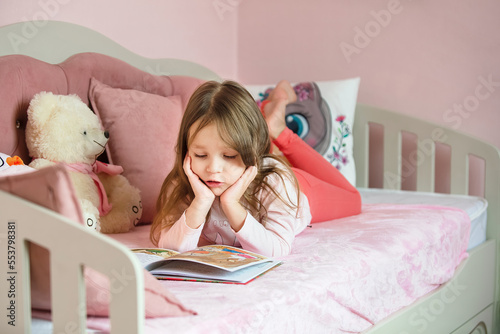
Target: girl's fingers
(199, 188)
(253, 171)
(189, 172)
(187, 166)
(192, 177)
(249, 174)
(236, 191)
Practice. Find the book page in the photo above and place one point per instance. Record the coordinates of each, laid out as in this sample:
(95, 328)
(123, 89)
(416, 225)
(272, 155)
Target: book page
(193, 271)
(221, 256)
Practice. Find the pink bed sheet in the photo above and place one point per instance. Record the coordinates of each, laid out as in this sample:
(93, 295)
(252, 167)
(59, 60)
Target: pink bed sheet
(342, 276)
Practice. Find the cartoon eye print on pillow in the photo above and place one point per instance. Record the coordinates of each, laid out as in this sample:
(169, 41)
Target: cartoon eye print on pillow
(309, 117)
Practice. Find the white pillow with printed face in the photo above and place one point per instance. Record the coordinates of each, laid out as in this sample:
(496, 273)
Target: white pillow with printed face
(323, 117)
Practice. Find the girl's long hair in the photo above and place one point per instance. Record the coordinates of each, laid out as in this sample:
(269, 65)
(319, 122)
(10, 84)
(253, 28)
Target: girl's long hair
(242, 126)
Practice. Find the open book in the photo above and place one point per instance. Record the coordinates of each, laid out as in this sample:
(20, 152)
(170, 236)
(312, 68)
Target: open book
(215, 263)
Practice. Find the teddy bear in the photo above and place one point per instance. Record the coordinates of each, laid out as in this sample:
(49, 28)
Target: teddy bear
(63, 129)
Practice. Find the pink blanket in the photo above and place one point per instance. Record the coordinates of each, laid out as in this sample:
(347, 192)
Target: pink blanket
(342, 276)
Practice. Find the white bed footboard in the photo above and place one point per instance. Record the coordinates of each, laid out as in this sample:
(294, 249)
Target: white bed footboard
(68, 255)
(461, 147)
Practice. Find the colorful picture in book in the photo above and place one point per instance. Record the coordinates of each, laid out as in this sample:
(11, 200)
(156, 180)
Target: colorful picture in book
(221, 255)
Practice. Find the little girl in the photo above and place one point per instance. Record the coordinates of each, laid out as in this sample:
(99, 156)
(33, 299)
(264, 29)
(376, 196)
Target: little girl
(226, 187)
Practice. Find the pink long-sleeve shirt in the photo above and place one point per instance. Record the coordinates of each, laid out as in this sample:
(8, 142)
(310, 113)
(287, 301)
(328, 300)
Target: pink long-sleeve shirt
(274, 237)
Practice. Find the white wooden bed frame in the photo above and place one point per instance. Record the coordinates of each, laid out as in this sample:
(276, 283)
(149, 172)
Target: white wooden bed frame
(469, 303)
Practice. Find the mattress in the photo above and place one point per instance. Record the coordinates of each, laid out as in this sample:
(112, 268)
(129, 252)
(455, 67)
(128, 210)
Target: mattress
(342, 276)
(476, 207)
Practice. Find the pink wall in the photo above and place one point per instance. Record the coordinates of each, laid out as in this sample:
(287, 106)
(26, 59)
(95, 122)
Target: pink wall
(437, 60)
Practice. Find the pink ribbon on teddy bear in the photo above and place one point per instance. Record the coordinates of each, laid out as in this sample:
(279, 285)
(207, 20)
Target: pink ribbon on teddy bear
(92, 171)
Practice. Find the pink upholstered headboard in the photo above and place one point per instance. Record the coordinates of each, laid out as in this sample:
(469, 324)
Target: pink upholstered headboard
(21, 77)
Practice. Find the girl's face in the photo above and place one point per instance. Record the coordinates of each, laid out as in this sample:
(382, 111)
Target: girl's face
(218, 165)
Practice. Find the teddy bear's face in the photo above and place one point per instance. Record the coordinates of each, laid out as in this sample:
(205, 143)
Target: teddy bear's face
(62, 128)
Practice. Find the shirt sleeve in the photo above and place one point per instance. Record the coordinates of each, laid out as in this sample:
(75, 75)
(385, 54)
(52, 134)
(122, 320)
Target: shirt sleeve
(274, 236)
(180, 237)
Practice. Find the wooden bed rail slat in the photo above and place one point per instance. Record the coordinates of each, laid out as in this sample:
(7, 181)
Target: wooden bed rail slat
(392, 160)
(426, 165)
(14, 290)
(459, 172)
(70, 298)
(361, 154)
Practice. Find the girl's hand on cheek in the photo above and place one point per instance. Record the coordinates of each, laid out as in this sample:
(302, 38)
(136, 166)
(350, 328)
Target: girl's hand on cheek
(230, 199)
(204, 197)
(233, 194)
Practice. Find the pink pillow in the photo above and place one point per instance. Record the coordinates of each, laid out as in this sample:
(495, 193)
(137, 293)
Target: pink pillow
(52, 188)
(143, 131)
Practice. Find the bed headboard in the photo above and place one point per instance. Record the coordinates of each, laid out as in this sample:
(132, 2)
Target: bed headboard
(48, 59)
(54, 41)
